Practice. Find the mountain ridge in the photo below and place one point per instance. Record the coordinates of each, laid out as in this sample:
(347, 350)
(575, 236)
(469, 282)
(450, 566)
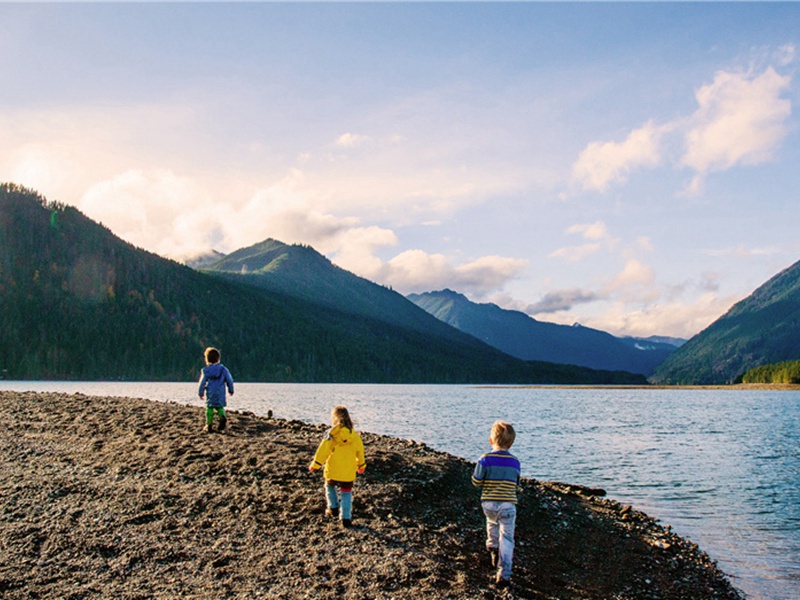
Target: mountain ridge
(77, 302)
(761, 329)
(299, 270)
(521, 335)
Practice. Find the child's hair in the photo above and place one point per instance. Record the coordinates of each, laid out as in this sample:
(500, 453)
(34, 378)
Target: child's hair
(503, 434)
(212, 356)
(340, 417)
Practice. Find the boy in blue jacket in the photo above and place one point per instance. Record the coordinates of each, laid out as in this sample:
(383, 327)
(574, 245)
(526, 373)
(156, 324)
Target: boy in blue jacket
(214, 378)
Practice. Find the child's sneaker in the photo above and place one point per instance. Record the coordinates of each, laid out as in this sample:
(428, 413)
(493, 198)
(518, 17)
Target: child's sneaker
(223, 422)
(207, 428)
(501, 581)
(347, 523)
(332, 512)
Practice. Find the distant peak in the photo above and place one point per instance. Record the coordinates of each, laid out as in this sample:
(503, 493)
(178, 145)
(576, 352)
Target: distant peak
(447, 292)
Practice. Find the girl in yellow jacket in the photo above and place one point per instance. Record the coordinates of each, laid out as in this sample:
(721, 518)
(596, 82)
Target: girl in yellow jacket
(342, 454)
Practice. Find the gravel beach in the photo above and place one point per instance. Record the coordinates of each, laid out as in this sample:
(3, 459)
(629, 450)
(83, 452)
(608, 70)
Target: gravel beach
(129, 499)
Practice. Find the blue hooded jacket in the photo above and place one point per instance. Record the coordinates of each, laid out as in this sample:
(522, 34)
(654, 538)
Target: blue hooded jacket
(213, 380)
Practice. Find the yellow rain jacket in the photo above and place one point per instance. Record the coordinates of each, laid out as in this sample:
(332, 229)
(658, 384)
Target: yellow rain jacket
(342, 453)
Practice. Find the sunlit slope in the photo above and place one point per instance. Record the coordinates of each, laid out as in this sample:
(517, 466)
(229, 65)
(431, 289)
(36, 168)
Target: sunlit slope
(302, 272)
(763, 328)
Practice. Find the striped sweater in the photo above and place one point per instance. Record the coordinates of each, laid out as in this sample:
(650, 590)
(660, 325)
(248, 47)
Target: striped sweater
(497, 474)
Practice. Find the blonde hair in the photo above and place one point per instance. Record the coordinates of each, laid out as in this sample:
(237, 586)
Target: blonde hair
(340, 417)
(503, 434)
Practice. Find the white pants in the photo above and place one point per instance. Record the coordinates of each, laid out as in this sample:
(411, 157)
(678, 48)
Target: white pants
(501, 520)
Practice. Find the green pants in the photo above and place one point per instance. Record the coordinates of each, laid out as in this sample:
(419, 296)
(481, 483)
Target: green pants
(210, 413)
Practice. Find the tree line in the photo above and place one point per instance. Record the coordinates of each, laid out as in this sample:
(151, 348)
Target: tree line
(76, 302)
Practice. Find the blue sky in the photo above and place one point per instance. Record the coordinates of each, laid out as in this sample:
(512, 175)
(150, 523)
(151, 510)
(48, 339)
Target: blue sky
(629, 166)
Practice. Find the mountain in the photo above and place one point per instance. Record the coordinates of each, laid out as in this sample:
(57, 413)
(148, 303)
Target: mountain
(76, 302)
(520, 335)
(657, 339)
(763, 328)
(203, 260)
(302, 272)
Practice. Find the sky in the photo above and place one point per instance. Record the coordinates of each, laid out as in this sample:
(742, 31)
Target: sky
(629, 166)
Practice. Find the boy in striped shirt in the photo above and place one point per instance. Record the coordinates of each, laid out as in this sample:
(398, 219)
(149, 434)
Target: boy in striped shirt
(498, 474)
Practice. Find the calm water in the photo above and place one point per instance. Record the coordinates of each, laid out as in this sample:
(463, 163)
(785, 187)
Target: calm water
(721, 467)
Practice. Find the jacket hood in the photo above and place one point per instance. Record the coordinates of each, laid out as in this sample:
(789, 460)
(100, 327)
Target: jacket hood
(341, 435)
(214, 370)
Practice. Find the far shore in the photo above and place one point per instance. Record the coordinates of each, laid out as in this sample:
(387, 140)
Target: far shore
(778, 387)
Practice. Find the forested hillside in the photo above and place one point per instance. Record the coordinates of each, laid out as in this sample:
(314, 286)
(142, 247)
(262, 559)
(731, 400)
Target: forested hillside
(76, 302)
(782, 372)
(763, 328)
(302, 272)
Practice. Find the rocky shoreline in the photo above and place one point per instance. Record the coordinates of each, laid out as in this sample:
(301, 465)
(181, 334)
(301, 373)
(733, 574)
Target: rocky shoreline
(128, 498)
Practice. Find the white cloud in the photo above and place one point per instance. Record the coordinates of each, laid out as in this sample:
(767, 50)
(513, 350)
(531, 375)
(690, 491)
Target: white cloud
(575, 253)
(596, 232)
(175, 217)
(680, 319)
(158, 211)
(591, 231)
(634, 274)
(355, 250)
(603, 163)
(418, 271)
(351, 140)
(741, 120)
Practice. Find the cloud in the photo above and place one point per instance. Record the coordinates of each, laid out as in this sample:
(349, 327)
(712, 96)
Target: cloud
(61, 152)
(562, 300)
(175, 217)
(680, 319)
(634, 274)
(740, 120)
(741, 251)
(618, 316)
(599, 238)
(172, 216)
(575, 253)
(418, 271)
(635, 282)
(155, 210)
(351, 140)
(603, 163)
(785, 55)
(591, 231)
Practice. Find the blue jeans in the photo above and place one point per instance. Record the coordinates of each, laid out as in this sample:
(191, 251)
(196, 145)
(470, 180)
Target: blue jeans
(501, 520)
(338, 497)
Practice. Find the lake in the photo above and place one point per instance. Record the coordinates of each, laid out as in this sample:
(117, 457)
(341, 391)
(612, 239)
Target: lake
(722, 467)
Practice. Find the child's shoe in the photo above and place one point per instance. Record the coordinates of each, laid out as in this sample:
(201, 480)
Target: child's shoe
(347, 523)
(223, 423)
(502, 582)
(332, 512)
(207, 428)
